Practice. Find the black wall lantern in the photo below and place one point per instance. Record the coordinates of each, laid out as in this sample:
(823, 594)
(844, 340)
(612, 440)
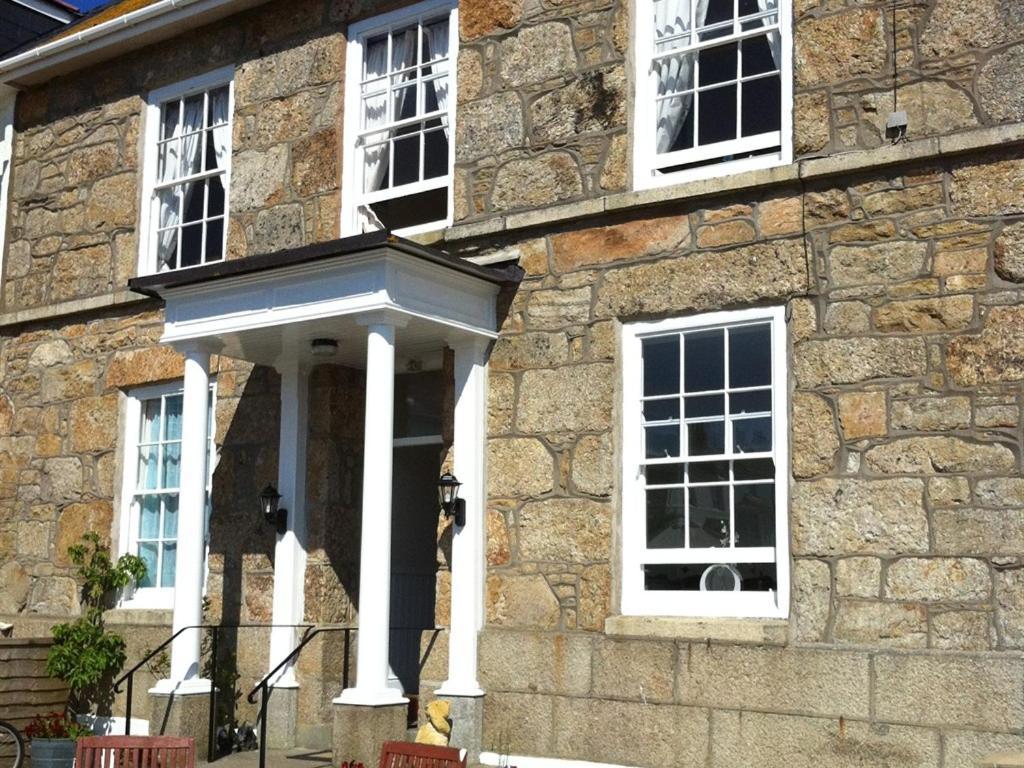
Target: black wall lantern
(448, 496)
(269, 499)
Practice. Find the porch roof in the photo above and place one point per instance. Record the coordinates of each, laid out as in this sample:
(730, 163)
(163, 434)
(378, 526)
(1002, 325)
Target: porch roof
(270, 307)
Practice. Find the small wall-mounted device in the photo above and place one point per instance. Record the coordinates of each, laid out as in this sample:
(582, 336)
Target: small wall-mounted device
(896, 126)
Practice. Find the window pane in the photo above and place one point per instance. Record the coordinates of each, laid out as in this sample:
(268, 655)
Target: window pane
(172, 465)
(757, 55)
(664, 474)
(147, 551)
(403, 102)
(375, 61)
(435, 40)
(704, 355)
(671, 23)
(149, 516)
(750, 356)
(752, 435)
(755, 515)
(435, 154)
(168, 155)
(214, 240)
(195, 200)
(762, 104)
(191, 244)
(754, 577)
(751, 402)
(172, 414)
(170, 530)
(407, 160)
(218, 114)
(147, 467)
(706, 405)
(169, 122)
(706, 437)
(709, 516)
(709, 471)
(754, 469)
(665, 519)
(661, 365)
(662, 442)
(718, 64)
(375, 110)
(661, 410)
(717, 115)
(410, 210)
(167, 567)
(403, 48)
(717, 11)
(151, 421)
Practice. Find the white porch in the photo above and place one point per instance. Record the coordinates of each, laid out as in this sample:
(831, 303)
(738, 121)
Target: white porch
(384, 301)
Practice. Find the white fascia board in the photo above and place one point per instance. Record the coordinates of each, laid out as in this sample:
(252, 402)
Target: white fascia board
(50, 10)
(377, 281)
(132, 30)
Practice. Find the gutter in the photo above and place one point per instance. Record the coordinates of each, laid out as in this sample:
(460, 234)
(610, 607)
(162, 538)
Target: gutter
(93, 41)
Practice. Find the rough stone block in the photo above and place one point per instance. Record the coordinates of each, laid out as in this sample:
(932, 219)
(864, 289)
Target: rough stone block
(1010, 607)
(814, 439)
(871, 623)
(628, 240)
(530, 350)
(518, 723)
(592, 470)
(535, 662)
(782, 741)
(962, 630)
(521, 601)
(936, 315)
(820, 682)
(641, 670)
(1000, 492)
(851, 361)
(862, 414)
(933, 579)
(565, 531)
(835, 48)
(518, 467)
(859, 577)
(916, 689)
(965, 749)
(705, 281)
(359, 732)
(930, 455)
(883, 264)
(811, 601)
(573, 398)
(627, 733)
(181, 716)
(981, 532)
(996, 355)
(848, 517)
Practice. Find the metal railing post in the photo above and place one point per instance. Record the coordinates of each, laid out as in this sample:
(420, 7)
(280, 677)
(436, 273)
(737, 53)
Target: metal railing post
(263, 726)
(211, 749)
(128, 707)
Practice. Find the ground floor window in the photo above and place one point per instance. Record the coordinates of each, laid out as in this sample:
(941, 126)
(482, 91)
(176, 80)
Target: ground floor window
(152, 469)
(705, 465)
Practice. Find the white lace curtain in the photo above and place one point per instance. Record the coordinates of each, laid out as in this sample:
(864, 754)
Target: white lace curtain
(437, 43)
(184, 158)
(675, 73)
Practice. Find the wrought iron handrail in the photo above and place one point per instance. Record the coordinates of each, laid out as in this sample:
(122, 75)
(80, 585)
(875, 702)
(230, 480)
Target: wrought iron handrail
(129, 676)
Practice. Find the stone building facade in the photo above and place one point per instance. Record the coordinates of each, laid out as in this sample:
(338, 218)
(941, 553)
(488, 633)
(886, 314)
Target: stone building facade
(899, 265)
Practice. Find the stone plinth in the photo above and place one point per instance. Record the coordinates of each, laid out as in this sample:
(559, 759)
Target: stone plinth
(359, 731)
(282, 717)
(467, 714)
(181, 715)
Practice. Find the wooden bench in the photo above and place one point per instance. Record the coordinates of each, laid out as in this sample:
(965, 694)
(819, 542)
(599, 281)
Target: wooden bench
(135, 752)
(402, 754)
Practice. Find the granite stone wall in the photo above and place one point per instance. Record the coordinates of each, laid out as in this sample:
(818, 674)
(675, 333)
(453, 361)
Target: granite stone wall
(904, 296)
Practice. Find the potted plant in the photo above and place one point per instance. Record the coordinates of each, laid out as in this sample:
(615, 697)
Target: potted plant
(52, 740)
(84, 654)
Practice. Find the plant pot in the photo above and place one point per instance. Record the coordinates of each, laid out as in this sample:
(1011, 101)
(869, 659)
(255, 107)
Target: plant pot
(52, 753)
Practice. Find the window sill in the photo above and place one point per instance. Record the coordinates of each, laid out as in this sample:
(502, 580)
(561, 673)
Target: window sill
(770, 631)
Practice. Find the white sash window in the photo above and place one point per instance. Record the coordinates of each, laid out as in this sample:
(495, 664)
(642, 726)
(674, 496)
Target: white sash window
(399, 113)
(713, 88)
(187, 171)
(705, 466)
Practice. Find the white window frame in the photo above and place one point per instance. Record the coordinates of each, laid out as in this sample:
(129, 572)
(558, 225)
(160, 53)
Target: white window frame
(128, 529)
(352, 194)
(7, 99)
(636, 601)
(646, 160)
(148, 216)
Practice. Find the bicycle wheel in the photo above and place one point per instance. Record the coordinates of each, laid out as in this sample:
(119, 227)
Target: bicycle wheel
(12, 748)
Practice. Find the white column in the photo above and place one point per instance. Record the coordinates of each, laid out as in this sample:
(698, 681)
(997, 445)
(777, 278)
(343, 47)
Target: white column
(188, 580)
(468, 544)
(371, 687)
(290, 550)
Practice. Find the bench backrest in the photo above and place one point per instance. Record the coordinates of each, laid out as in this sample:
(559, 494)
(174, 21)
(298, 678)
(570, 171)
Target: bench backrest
(135, 752)
(402, 754)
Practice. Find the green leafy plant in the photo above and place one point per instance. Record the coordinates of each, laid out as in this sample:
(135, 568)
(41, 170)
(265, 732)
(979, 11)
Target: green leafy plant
(84, 654)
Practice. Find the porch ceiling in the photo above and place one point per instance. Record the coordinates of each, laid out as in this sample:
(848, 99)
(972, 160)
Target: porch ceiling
(269, 308)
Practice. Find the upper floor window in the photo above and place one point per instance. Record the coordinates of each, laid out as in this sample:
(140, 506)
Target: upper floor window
(705, 463)
(713, 88)
(188, 161)
(399, 113)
